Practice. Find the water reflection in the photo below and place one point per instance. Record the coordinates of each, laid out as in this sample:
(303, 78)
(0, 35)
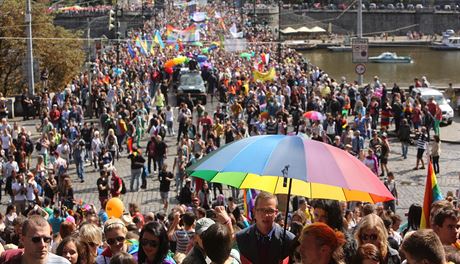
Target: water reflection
(440, 67)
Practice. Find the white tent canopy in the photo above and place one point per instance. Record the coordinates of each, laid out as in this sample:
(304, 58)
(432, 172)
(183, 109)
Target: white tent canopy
(303, 30)
(317, 29)
(288, 30)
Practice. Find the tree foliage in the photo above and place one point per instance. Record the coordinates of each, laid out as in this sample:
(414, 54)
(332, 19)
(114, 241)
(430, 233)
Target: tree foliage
(54, 48)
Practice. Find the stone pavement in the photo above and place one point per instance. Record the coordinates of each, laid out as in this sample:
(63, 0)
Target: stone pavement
(410, 183)
(451, 134)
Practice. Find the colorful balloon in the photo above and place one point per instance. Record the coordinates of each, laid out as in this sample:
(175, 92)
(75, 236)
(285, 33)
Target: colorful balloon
(169, 64)
(169, 70)
(201, 58)
(114, 208)
(179, 60)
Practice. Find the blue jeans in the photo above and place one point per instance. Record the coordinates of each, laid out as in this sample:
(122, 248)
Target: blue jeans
(80, 169)
(404, 149)
(135, 175)
(179, 182)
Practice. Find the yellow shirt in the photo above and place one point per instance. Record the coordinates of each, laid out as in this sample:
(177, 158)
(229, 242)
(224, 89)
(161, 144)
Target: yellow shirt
(218, 129)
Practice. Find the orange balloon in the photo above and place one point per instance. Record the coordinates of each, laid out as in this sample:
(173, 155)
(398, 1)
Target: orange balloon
(169, 64)
(114, 208)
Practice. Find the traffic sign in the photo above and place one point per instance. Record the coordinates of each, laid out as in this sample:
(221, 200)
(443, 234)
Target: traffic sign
(360, 69)
(360, 47)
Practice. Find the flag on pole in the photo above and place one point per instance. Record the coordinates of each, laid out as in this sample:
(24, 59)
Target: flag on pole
(158, 40)
(432, 194)
(131, 51)
(249, 197)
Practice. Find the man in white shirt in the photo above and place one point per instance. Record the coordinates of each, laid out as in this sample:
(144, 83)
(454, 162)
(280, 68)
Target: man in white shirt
(31, 187)
(60, 165)
(19, 192)
(63, 149)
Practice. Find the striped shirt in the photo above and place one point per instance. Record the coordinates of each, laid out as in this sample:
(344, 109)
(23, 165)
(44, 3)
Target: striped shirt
(182, 237)
(422, 141)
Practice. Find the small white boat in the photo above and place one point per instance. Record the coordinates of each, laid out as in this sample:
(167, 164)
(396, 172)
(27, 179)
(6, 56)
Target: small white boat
(341, 48)
(299, 44)
(450, 43)
(390, 57)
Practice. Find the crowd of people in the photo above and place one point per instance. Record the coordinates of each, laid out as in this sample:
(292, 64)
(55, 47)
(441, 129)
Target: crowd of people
(130, 95)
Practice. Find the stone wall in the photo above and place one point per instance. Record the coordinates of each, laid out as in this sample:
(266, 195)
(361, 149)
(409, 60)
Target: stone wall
(425, 21)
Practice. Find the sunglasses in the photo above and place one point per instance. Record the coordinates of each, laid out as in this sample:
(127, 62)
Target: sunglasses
(147, 242)
(38, 239)
(112, 241)
(372, 237)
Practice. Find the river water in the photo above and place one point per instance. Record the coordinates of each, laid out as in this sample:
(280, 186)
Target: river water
(440, 67)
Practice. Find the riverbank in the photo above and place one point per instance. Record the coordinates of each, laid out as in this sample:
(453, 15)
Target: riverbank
(440, 67)
(395, 41)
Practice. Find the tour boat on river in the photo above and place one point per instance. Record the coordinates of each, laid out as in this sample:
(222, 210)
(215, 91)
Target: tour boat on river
(451, 43)
(390, 57)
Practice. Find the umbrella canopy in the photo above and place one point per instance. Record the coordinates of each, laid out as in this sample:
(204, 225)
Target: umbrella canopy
(318, 170)
(303, 30)
(288, 30)
(317, 29)
(314, 115)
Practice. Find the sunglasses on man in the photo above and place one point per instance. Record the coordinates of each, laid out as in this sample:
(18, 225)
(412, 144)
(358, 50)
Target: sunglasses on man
(39, 239)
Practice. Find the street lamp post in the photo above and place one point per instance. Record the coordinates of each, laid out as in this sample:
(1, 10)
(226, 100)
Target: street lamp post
(117, 34)
(90, 69)
(30, 53)
(279, 32)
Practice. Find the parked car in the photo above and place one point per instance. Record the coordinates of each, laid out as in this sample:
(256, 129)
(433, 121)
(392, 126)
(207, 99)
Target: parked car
(447, 111)
(399, 6)
(390, 6)
(372, 6)
(192, 83)
(419, 6)
(382, 7)
(447, 7)
(410, 7)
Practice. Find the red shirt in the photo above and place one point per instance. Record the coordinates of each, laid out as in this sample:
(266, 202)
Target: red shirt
(432, 108)
(11, 256)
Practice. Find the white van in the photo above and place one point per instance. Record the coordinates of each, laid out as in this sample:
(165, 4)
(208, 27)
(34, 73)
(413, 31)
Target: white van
(447, 111)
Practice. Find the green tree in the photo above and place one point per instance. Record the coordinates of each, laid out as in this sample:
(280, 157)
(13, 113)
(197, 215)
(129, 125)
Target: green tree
(55, 48)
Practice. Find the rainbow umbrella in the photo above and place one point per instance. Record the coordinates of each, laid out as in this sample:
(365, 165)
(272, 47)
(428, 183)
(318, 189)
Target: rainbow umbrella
(314, 115)
(314, 169)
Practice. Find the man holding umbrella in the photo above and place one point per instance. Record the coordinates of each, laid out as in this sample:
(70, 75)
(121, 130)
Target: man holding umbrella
(264, 242)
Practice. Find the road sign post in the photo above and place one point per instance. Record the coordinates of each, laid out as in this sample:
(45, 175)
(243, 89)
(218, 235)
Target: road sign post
(360, 54)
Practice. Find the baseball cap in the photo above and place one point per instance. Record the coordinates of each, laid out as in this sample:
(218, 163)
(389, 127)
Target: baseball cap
(203, 224)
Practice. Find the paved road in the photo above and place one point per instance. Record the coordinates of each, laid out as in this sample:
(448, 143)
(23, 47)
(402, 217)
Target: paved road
(411, 183)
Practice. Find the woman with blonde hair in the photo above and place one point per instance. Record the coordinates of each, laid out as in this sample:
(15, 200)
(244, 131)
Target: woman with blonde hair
(320, 244)
(92, 235)
(372, 230)
(115, 235)
(111, 143)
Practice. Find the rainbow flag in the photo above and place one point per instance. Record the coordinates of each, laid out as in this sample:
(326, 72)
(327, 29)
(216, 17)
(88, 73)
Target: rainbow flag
(249, 197)
(432, 194)
(158, 40)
